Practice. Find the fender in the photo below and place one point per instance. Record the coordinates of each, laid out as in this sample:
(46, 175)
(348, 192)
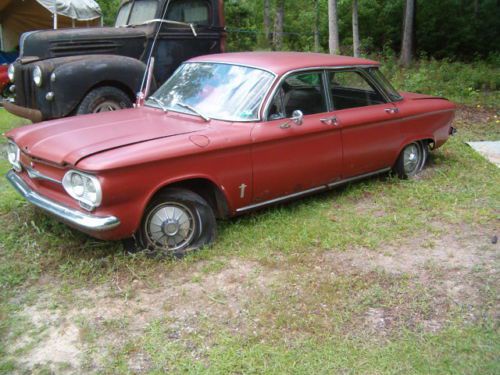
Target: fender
(96, 70)
(138, 208)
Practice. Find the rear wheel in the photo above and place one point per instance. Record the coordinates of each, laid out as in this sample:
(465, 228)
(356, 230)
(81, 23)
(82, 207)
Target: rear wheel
(412, 159)
(176, 222)
(104, 99)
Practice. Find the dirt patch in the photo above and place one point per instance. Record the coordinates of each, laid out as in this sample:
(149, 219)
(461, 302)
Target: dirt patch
(459, 249)
(109, 316)
(455, 270)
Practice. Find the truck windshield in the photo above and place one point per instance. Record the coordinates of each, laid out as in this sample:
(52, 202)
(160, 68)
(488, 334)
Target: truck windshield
(136, 12)
(215, 90)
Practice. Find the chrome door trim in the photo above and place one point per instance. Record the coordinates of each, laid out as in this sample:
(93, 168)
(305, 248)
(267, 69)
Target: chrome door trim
(310, 191)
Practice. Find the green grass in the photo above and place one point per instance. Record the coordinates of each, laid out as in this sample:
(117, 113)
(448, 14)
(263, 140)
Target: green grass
(305, 320)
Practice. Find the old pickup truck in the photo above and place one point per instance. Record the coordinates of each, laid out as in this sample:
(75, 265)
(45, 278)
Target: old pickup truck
(75, 71)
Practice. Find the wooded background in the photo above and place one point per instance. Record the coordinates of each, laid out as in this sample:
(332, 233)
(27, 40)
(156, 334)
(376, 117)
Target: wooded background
(454, 29)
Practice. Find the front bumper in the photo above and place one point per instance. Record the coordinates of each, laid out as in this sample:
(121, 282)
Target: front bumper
(79, 220)
(31, 114)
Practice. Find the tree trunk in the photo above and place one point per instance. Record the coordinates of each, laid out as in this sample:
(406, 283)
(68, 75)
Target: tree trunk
(408, 34)
(316, 26)
(278, 25)
(333, 27)
(267, 21)
(355, 29)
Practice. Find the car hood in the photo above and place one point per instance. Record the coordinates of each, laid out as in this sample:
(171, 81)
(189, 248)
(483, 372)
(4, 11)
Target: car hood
(69, 140)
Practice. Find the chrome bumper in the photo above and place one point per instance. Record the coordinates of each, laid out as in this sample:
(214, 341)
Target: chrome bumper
(75, 218)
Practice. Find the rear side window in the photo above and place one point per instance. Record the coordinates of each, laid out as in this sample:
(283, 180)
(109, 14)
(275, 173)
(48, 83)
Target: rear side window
(350, 89)
(190, 11)
(302, 91)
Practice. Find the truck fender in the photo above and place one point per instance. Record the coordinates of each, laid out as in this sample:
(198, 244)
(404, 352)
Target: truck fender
(122, 72)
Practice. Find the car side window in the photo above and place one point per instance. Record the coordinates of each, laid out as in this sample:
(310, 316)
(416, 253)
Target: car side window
(190, 11)
(349, 89)
(301, 91)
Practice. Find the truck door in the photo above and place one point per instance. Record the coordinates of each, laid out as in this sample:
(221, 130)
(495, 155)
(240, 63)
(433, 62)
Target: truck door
(177, 43)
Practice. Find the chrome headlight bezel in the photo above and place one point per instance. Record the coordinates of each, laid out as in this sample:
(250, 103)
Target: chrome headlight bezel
(13, 155)
(82, 192)
(37, 76)
(11, 71)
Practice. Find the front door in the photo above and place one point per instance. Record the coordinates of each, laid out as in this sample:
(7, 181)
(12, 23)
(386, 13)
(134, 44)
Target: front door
(291, 158)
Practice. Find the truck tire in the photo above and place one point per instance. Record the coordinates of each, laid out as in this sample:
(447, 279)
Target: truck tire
(104, 99)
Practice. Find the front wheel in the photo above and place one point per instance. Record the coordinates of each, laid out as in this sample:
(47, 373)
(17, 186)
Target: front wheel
(176, 222)
(104, 99)
(411, 160)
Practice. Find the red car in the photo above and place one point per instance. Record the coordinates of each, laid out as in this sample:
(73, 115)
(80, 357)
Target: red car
(4, 80)
(226, 134)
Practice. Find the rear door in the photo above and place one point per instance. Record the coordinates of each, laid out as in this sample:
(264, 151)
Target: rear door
(369, 123)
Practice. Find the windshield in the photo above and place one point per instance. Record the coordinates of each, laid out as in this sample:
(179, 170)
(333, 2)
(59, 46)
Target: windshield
(215, 90)
(136, 12)
(386, 85)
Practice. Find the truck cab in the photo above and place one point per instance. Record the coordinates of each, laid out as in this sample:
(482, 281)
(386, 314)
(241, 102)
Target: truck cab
(87, 70)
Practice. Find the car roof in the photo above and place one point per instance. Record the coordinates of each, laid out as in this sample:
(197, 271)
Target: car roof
(282, 62)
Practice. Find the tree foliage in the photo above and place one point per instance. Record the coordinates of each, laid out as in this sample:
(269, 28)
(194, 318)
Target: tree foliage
(457, 29)
(444, 28)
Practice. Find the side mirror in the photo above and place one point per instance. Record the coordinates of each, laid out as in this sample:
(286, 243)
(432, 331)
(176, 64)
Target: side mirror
(297, 117)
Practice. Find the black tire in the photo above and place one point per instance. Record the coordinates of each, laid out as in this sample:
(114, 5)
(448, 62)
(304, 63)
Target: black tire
(103, 99)
(159, 220)
(412, 159)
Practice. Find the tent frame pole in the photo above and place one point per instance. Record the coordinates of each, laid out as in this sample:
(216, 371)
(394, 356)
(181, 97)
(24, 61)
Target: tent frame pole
(55, 14)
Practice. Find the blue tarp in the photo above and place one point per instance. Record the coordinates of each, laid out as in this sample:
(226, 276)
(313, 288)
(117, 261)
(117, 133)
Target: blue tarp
(8, 57)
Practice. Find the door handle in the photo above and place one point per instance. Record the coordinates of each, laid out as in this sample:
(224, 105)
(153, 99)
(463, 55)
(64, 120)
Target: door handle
(330, 121)
(392, 110)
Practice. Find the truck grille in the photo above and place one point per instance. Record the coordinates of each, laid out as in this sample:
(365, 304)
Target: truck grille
(25, 88)
(83, 47)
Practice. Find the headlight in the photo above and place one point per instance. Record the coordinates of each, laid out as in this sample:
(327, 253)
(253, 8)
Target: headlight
(13, 156)
(85, 188)
(37, 76)
(10, 72)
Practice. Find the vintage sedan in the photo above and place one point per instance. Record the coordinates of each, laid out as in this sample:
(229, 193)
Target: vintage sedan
(226, 134)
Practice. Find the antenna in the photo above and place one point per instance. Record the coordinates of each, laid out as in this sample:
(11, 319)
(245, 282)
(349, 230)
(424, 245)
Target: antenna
(152, 49)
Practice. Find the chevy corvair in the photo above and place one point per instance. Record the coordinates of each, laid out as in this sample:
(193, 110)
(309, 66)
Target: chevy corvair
(226, 134)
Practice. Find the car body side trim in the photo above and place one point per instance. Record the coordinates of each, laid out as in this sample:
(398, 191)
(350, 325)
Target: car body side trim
(75, 218)
(310, 191)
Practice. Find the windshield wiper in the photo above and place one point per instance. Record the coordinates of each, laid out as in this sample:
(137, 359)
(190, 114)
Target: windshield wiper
(159, 102)
(194, 110)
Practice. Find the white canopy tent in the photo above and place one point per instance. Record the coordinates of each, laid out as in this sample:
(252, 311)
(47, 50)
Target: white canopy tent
(19, 16)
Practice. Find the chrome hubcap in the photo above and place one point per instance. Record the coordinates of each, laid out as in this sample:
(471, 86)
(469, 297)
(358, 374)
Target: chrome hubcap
(170, 226)
(412, 156)
(107, 106)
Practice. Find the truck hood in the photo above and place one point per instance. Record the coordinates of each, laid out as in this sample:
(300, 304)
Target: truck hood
(67, 141)
(45, 44)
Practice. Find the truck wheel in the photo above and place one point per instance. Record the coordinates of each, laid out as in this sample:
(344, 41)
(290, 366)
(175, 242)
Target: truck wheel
(176, 222)
(104, 99)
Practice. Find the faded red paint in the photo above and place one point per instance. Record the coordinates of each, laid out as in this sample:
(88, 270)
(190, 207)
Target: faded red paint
(136, 152)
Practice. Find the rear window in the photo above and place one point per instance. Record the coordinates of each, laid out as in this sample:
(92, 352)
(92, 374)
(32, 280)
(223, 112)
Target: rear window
(190, 11)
